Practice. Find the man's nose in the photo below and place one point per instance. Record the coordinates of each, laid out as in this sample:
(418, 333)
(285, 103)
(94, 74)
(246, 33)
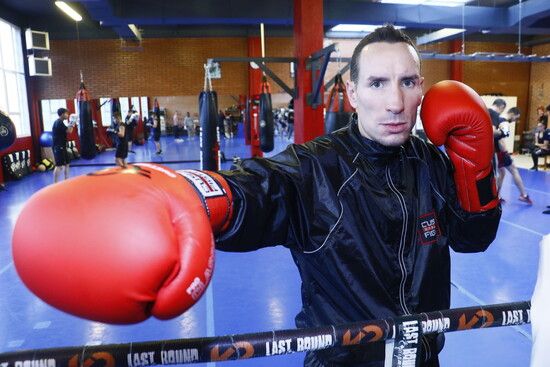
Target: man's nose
(394, 100)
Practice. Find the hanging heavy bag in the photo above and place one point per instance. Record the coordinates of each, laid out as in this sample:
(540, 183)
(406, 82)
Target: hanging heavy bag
(339, 109)
(266, 119)
(208, 117)
(246, 121)
(87, 140)
(7, 131)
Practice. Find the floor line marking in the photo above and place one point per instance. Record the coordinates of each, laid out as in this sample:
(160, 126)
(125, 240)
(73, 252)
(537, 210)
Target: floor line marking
(482, 303)
(522, 227)
(5, 268)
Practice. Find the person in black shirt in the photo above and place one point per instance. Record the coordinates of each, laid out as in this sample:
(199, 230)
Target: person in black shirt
(121, 141)
(130, 122)
(156, 133)
(504, 160)
(59, 133)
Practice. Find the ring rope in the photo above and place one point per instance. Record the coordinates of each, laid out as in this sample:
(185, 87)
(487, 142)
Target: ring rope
(270, 343)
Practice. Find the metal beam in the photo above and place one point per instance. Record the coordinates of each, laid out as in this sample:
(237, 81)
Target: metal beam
(260, 61)
(485, 56)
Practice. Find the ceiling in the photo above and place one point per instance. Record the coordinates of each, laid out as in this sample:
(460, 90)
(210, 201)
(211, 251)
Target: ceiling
(484, 20)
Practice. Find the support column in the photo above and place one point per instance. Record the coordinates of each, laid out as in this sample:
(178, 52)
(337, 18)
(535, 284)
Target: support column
(254, 87)
(308, 38)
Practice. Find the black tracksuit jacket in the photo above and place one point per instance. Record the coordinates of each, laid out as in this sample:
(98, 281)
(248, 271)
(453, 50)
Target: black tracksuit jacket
(369, 228)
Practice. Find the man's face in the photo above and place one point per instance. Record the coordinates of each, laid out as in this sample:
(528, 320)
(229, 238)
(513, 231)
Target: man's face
(387, 93)
(513, 117)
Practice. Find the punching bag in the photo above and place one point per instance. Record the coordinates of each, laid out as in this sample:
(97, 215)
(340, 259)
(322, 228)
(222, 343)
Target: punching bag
(246, 121)
(338, 108)
(266, 118)
(87, 140)
(7, 131)
(208, 118)
(115, 108)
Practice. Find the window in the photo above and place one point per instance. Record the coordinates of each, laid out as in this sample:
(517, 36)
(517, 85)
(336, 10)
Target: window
(144, 107)
(49, 112)
(124, 106)
(12, 79)
(105, 111)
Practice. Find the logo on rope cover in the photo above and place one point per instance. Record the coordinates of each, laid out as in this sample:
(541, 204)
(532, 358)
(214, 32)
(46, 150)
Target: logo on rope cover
(103, 359)
(372, 332)
(484, 316)
(229, 352)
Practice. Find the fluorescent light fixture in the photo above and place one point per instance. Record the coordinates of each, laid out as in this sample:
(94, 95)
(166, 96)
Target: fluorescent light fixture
(357, 28)
(135, 31)
(68, 10)
(428, 2)
(439, 35)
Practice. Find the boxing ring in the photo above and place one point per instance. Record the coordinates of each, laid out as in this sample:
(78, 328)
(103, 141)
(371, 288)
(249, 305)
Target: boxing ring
(405, 333)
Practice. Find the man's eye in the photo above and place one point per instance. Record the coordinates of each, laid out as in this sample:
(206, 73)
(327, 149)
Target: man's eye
(409, 83)
(376, 84)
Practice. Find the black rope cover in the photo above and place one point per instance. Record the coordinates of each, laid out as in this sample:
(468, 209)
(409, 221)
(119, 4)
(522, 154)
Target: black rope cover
(271, 343)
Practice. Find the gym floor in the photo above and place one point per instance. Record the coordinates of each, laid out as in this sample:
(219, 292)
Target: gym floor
(260, 291)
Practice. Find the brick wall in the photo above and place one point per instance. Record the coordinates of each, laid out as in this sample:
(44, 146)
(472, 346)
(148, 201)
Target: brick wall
(161, 67)
(174, 67)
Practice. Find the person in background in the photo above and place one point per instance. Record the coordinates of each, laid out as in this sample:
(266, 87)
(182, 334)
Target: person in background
(221, 123)
(176, 125)
(189, 125)
(541, 143)
(156, 133)
(122, 142)
(130, 123)
(59, 135)
(503, 159)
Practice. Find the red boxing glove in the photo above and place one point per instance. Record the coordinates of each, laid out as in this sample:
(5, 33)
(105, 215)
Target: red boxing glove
(120, 245)
(454, 115)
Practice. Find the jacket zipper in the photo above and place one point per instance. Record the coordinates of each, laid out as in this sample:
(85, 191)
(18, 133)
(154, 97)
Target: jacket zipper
(401, 251)
(401, 256)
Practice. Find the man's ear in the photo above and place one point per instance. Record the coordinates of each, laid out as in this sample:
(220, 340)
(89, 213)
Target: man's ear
(352, 93)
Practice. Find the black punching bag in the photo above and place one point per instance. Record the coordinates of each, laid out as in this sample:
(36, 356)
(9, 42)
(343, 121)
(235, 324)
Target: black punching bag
(266, 118)
(87, 140)
(7, 131)
(246, 121)
(208, 117)
(338, 108)
(115, 108)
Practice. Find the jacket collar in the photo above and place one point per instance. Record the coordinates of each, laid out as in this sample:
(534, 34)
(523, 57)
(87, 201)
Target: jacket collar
(370, 148)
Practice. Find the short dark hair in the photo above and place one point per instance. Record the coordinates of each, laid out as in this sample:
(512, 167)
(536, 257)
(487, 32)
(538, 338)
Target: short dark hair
(548, 108)
(61, 111)
(514, 110)
(499, 102)
(387, 33)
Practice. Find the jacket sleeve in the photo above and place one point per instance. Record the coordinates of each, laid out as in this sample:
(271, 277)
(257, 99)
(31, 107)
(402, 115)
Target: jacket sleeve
(275, 201)
(467, 232)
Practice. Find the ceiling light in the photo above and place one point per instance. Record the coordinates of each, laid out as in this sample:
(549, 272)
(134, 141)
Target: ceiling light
(68, 10)
(428, 2)
(365, 28)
